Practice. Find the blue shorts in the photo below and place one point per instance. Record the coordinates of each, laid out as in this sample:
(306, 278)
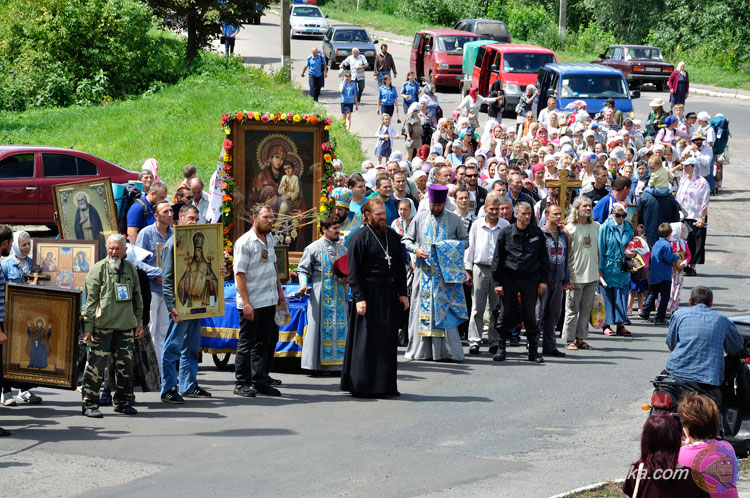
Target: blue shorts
(346, 108)
(639, 285)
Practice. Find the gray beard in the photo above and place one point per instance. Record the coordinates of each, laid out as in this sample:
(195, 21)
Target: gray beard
(114, 263)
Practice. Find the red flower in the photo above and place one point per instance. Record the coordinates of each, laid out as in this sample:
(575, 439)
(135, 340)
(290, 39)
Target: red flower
(224, 119)
(227, 144)
(239, 116)
(314, 119)
(330, 188)
(228, 168)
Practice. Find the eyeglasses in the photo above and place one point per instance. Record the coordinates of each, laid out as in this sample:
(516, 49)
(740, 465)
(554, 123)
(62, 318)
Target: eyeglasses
(471, 176)
(620, 215)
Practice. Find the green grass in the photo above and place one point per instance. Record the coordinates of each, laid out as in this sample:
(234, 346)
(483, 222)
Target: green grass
(342, 10)
(178, 125)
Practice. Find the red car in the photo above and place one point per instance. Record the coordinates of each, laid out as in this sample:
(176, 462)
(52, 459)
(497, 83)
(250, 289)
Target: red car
(437, 54)
(639, 63)
(27, 173)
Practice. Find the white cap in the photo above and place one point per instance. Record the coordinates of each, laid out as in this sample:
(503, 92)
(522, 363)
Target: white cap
(704, 116)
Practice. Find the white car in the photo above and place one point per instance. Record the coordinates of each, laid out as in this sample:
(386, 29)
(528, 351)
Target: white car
(307, 20)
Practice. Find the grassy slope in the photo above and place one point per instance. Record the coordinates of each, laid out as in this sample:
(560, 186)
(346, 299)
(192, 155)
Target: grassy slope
(341, 10)
(178, 125)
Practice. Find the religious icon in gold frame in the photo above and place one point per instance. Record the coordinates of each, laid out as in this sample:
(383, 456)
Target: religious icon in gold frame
(198, 258)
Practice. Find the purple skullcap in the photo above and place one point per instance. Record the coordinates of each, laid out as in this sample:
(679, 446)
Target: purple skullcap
(437, 193)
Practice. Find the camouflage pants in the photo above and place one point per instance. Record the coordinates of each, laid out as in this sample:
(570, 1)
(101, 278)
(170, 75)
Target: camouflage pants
(118, 343)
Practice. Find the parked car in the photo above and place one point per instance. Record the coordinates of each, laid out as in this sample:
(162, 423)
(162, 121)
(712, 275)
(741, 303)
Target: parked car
(592, 83)
(27, 173)
(486, 29)
(639, 63)
(340, 39)
(437, 54)
(516, 65)
(307, 20)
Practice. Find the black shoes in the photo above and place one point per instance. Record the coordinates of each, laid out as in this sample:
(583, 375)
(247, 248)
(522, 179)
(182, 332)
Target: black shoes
(198, 392)
(474, 349)
(4, 433)
(92, 412)
(535, 356)
(244, 391)
(268, 390)
(644, 316)
(493, 349)
(500, 355)
(126, 410)
(275, 382)
(555, 352)
(690, 272)
(660, 321)
(172, 396)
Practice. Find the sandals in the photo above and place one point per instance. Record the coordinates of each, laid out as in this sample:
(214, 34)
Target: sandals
(571, 346)
(609, 332)
(623, 332)
(584, 345)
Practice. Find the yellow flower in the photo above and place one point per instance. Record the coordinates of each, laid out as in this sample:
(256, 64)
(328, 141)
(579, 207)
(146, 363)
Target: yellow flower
(327, 157)
(297, 118)
(226, 210)
(256, 116)
(227, 158)
(227, 130)
(283, 116)
(327, 127)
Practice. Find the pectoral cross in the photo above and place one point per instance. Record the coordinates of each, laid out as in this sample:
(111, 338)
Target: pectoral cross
(388, 259)
(563, 183)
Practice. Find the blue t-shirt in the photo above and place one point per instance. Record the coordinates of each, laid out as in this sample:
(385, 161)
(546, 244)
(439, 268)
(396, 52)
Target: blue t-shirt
(387, 96)
(135, 214)
(412, 90)
(348, 92)
(315, 64)
(662, 258)
(229, 30)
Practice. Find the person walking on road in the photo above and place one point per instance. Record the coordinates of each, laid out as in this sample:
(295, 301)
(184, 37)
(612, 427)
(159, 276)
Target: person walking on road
(230, 33)
(317, 69)
(384, 65)
(349, 100)
(357, 65)
(387, 97)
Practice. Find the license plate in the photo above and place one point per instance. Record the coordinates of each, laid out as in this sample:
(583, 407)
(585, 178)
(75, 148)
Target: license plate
(312, 30)
(653, 69)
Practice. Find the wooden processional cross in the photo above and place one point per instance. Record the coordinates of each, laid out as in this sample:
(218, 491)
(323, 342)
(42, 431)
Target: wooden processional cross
(563, 183)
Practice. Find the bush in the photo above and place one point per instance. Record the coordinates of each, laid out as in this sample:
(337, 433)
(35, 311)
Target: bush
(61, 52)
(591, 39)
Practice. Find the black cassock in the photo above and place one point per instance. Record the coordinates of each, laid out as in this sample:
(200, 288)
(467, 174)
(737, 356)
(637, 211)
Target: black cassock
(372, 341)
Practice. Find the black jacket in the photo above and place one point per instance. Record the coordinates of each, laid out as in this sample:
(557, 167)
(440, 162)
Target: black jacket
(524, 197)
(520, 253)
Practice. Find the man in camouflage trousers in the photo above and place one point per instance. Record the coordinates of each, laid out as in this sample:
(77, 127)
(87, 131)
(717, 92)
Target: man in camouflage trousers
(112, 320)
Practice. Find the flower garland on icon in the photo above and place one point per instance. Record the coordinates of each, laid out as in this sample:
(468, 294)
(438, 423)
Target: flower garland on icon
(227, 180)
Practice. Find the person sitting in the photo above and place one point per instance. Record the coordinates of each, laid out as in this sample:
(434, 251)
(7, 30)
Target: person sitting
(714, 460)
(657, 473)
(698, 337)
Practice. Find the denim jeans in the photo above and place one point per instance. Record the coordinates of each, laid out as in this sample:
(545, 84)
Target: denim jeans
(183, 342)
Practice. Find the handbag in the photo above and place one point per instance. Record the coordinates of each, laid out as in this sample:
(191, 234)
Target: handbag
(222, 39)
(597, 312)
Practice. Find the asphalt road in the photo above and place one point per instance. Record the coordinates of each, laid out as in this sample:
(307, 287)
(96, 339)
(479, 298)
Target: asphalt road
(473, 429)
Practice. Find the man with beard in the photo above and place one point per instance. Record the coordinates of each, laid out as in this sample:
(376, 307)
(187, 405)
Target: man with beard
(477, 193)
(6, 241)
(384, 190)
(87, 221)
(377, 277)
(258, 292)
(183, 340)
(441, 176)
(112, 321)
(438, 238)
(349, 222)
(325, 334)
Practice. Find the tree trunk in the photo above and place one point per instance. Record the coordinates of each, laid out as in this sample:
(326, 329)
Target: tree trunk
(192, 32)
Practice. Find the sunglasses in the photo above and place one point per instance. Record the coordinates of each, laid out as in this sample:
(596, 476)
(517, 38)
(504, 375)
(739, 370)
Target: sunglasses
(620, 215)
(471, 176)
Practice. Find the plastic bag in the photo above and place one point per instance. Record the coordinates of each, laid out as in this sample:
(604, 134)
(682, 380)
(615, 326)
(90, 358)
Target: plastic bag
(597, 312)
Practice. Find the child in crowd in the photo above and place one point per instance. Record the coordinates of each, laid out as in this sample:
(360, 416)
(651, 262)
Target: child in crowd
(639, 278)
(679, 246)
(660, 283)
(661, 177)
(386, 134)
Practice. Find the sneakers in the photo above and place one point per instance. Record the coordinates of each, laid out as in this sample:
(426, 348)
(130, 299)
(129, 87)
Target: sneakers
(198, 392)
(244, 391)
(268, 390)
(474, 349)
(28, 397)
(126, 410)
(8, 399)
(172, 396)
(92, 412)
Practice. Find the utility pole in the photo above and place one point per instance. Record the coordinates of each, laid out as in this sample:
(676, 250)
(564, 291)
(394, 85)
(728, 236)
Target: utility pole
(563, 16)
(286, 41)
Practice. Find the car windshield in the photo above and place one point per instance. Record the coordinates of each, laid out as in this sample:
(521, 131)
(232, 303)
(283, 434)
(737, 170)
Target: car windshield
(452, 43)
(351, 35)
(525, 63)
(491, 31)
(593, 87)
(307, 12)
(643, 54)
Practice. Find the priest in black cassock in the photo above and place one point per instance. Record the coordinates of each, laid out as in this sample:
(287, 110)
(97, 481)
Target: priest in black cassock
(377, 277)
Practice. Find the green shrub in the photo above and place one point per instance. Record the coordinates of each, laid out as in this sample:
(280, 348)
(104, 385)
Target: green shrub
(591, 39)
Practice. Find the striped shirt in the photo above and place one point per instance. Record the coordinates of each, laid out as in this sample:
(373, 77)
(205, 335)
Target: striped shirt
(258, 262)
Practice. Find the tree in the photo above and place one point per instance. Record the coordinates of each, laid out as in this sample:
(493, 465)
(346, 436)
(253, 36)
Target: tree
(201, 19)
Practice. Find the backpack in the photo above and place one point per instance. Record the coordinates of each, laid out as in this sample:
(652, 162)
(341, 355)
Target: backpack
(720, 124)
(131, 195)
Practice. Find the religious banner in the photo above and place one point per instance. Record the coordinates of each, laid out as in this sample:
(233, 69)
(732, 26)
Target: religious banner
(84, 209)
(66, 263)
(42, 324)
(199, 287)
(283, 160)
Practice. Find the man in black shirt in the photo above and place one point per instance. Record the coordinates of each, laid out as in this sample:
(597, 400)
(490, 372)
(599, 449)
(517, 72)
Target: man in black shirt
(599, 190)
(520, 265)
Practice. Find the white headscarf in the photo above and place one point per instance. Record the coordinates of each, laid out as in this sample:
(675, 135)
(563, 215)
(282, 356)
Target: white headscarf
(16, 238)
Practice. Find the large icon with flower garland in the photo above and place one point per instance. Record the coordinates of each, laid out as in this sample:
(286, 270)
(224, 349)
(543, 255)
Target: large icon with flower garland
(283, 160)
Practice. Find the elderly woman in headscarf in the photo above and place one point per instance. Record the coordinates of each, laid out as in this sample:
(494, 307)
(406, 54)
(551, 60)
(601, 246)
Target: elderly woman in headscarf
(679, 85)
(420, 180)
(614, 236)
(413, 129)
(693, 196)
(19, 263)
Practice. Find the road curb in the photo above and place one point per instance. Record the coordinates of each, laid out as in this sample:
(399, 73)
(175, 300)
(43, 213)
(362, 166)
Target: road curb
(590, 487)
(732, 95)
